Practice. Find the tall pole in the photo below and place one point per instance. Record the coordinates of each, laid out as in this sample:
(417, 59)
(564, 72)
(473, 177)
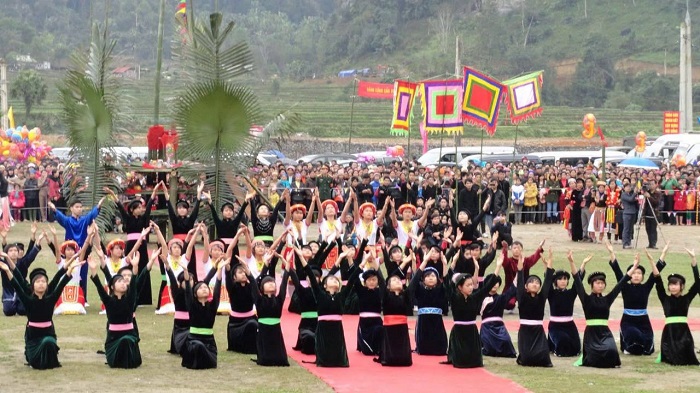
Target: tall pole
(159, 63)
(458, 72)
(689, 74)
(352, 112)
(3, 94)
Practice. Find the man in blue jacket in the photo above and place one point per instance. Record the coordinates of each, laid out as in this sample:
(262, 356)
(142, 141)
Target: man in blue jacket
(76, 226)
(630, 211)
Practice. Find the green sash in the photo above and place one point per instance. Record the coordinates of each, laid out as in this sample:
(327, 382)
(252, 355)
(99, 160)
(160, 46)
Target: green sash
(201, 331)
(269, 321)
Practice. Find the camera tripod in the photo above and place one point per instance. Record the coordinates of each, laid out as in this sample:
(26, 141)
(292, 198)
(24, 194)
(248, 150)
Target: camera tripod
(640, 216)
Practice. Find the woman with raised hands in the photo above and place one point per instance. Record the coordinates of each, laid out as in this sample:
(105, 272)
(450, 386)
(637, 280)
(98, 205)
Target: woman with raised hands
(431, 299)
(330, 338)
(242, 326)
(532, 295)
(268, 303)
(199, 350)
(122, 342)
(40, 346)
(636, 333)
(369, 293)
(172, 254)
(599, 348)
(464, 349)
(677, 345)
(564, 339)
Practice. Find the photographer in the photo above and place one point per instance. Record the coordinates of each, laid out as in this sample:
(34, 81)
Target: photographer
(630, 207)
(651, 209)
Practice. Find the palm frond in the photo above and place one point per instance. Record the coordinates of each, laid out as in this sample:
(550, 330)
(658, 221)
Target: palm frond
(214, 115)
(206, 56)
(93, 111)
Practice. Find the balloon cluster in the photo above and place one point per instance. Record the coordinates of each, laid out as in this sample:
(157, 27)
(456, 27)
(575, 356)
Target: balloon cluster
(394, 151)
(589, 126)
(678, 160)
(363, 159)
(640, 142)
(23, 144)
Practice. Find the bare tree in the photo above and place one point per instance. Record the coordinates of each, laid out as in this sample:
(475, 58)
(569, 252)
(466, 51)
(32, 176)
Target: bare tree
(443, 25)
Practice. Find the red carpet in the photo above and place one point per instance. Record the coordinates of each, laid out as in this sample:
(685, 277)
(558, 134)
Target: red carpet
(364, 375)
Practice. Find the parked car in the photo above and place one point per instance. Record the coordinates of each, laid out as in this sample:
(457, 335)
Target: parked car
(340, 158)
(505, 159)
(450, 154)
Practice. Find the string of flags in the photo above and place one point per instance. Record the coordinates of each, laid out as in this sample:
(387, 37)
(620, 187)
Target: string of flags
(446, 105)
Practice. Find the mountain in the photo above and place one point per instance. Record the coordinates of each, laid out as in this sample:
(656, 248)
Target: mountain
(586, 47)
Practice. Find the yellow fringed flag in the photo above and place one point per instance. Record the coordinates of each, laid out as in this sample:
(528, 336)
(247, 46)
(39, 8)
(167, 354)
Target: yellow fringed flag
(404, 94)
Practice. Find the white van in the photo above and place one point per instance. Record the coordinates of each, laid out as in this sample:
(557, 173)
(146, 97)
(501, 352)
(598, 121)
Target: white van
(572, 157)
(448, 154)
(665, 145)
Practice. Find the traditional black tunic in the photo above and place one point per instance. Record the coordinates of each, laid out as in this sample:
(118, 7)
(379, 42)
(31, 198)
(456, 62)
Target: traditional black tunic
(317, 260)
(306, 340)
(465, 344)
(677, 345)
(330, 338)
(226, 228)
(599, 349)
(636, 333)
(495, 339)
(242, 328)
(532, 341)
(577, 233)
(564, 340)
(133, 226)
(369, 329)
(40, 347)
(264, 229)
(270, 342)
(181, 326)
(396, 344)
(199, 351)
(122, 343)
(431, 338)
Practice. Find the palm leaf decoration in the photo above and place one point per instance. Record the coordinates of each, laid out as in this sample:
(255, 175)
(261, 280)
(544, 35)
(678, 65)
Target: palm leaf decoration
(214, 115)
(93, 111)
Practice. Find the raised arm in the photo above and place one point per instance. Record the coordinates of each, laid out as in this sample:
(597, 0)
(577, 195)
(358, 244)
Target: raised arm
(382, 214)
(288, 214)
(618, 287)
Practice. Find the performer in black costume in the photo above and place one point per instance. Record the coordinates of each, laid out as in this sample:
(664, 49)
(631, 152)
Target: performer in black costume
(39, 299)
(532, 295)
(430, 296)
(677, 346)
(563, 336)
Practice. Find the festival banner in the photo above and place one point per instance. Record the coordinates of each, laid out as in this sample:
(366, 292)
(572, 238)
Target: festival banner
(671, 122)
(482, 100)
(381, 91)
(523, 97)
(404, 94)
(441, 102)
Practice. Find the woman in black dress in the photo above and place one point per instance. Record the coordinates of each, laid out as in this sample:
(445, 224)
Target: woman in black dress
(330, 338)
(575, 201)
(122, 343)
(599, 348)
(181, 322)
(636, 333)
(199, 351)
(369, 329)
(465, 344)
(397, 306)
(135, 218)
(263, 222)
(227, 225)
(563, 336)
(677, 346)
(495, 339)
(39, 299)
(430, 296)
(306, 340)
(532, 295)
(270, 342)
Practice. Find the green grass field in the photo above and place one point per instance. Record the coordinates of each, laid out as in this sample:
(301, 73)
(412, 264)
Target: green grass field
(83, 370)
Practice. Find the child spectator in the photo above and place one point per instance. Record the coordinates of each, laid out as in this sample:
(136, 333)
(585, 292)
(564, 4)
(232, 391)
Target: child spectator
(17, 202)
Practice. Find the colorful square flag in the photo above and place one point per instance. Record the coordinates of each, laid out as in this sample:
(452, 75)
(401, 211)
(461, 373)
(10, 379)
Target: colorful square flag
(404, 95)
(482, 100)
(523, 96)
(441, 102)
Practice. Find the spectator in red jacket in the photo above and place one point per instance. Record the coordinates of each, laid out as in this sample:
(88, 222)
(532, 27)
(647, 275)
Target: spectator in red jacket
(510, 265)
(17, 202)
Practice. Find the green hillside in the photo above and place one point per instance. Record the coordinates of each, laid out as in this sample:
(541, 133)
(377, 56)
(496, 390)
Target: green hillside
(302, 44)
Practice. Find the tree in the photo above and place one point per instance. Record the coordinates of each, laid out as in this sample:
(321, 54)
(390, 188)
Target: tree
(31, 88)
(213, 114)
(94, 111)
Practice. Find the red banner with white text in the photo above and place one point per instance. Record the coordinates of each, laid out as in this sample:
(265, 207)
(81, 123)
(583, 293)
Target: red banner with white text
(382, 91)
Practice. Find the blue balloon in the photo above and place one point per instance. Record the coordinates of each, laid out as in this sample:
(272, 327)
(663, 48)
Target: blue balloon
(9, 132)
(16, 137)
(25, 140)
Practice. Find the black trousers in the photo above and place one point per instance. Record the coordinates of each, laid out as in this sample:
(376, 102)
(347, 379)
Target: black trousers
(650, 226)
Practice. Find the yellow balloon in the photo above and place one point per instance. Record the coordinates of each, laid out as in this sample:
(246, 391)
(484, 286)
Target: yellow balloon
(32, 136)
(5, 143)
(32, 159)
(6, 153)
